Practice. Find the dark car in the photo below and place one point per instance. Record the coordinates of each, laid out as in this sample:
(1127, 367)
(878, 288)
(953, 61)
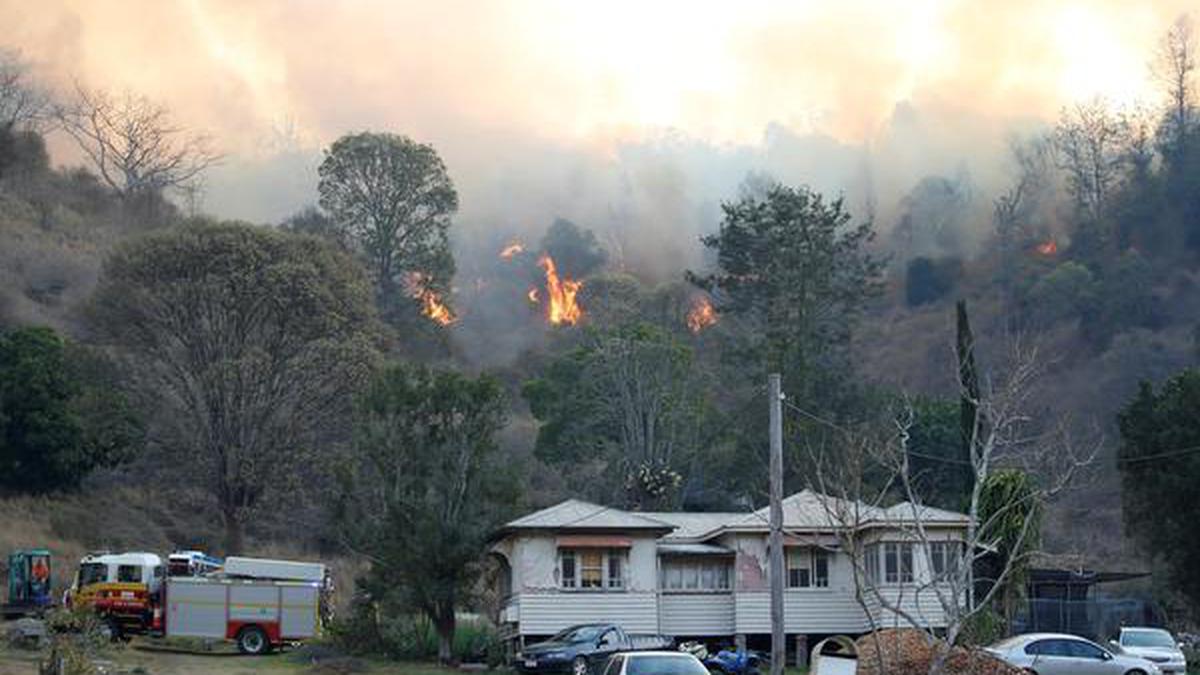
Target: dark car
(584, 649)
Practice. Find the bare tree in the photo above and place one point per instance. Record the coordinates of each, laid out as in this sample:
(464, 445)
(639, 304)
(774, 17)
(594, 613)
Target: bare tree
(23, 104)
(1092, 140)
(1174, 64)
(1015, 210)
(134, 143)
(873, 473)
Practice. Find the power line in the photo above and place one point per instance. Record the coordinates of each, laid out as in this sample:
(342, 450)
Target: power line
(1162, 455)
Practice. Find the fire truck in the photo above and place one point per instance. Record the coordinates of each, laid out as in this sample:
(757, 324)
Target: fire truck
(257, 603)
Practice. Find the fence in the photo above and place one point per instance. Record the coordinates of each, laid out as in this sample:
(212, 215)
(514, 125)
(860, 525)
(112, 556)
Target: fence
(1097, 619)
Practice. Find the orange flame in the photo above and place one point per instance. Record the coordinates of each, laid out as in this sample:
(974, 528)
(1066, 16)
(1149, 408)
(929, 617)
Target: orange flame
(431, 303)
(1049, 247)
(512, 249)
(561, 292)
(702, 315)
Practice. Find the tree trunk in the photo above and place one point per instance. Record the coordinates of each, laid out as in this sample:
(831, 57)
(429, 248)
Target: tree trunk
(233, 532)
(445, 630)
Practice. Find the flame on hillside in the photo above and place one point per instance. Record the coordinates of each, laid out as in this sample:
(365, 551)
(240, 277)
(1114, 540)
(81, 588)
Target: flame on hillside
(1048, 247)
(432, 305)
(702, 315)
(562, 307)
(511, 250)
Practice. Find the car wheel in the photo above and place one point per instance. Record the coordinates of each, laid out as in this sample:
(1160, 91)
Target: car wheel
(579, 666)
(1136, 672)
(253, 640)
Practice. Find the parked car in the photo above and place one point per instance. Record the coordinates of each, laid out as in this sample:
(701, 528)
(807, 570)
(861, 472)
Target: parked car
(585, 649)
(1152, 644)
(1055, 654)
(654, 663)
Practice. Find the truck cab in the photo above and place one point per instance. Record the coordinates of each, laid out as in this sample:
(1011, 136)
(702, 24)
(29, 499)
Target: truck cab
(120, 587)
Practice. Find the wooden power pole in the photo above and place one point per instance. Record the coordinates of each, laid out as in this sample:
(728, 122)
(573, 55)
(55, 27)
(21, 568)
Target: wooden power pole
(775, 542)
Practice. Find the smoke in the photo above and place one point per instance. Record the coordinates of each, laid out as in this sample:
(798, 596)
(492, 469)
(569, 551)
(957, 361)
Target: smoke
(629, 118)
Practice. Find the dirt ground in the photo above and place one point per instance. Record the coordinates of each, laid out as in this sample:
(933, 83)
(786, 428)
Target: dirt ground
(145, 658)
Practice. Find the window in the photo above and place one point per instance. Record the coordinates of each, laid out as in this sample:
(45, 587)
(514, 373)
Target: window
(129, 574)
(92, 573)
(897, 563)
(567, 568)
(872, 563)
(614, 665)
(807, 568)
(689, 574)
(944, 556)
(592, 568)
(1086, 650)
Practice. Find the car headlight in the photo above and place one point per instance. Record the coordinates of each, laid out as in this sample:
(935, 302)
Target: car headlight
(555, 656)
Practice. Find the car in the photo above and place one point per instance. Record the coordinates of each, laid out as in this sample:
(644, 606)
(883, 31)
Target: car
(654, 663)
(1152, 644)
(1058, 654)
(584, 649)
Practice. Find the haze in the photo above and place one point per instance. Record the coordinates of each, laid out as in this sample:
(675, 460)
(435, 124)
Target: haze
(632, 118)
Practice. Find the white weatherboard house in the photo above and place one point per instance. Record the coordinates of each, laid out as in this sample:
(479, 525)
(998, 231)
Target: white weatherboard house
(704, 575)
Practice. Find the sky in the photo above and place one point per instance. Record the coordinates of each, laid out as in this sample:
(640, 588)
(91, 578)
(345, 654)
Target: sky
(634, 117)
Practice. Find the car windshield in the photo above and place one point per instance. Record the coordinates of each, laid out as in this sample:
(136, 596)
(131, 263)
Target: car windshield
(664, 664)
(1147, 638)
(578, 634)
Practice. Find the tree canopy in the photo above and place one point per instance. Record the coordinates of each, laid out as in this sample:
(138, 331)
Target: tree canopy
(427, 488)
(245, 343)
(1159, 459)
(394, 198)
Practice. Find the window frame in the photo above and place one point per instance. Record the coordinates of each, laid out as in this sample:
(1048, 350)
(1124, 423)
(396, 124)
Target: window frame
(609, 583)
(802, 560)
(674, 573)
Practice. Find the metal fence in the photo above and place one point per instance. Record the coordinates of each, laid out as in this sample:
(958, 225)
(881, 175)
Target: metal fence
(1097, 619)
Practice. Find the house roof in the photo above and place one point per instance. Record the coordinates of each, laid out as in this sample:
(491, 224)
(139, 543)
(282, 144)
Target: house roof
(805, 511)
(808, 510)
(580, 515)
(692, 526)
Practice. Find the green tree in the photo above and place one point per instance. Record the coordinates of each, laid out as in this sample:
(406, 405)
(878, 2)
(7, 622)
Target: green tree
(427, 489)
(394, 199)
(41, 446)
(1159, 461)
(936, 454)
(244, 342)
(575, 249)
(60, 413)
(792, 268)
(1010, 516)
(625, 406)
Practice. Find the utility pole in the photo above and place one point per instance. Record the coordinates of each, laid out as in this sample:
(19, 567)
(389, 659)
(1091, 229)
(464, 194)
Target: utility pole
(775, 542)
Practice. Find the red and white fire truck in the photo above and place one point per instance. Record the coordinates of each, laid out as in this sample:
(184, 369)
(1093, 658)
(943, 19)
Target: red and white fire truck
(258, 603)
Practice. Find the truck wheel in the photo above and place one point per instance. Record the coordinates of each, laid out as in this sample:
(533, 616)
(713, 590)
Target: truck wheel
(579, 666)
(112, 629)
(253, 640)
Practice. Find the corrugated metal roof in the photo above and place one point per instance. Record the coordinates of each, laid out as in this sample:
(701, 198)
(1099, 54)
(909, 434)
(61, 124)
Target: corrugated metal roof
(577, 514)
(692, 525)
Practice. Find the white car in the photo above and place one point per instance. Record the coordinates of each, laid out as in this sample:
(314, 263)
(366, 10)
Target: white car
(1055, 654)
(654, 663)
(1152, 644)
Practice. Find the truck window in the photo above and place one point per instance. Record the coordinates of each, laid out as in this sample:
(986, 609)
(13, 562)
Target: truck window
(92, 573)
(129, 574)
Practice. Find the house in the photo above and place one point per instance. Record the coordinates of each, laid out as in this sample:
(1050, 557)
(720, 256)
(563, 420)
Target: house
(704, 575)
